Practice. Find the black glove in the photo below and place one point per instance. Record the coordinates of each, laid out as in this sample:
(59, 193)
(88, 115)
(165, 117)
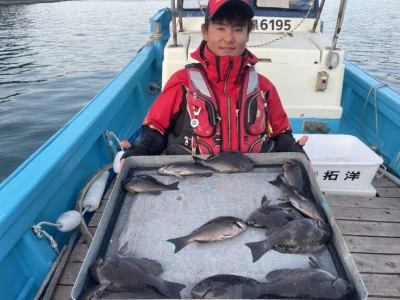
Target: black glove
(135, 150)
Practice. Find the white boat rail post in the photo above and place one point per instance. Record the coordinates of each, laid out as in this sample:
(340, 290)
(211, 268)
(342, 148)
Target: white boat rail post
(174, 35)
(321, 6)
(332, 60)
(180, 8)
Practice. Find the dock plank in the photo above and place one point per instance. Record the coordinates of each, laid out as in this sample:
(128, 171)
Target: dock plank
(377, 263)
(371, 202)
(382, 285)
(62, 292)
(366, 214)
(362, 244)
(69, 274)
(383, 182)
(388, 192)
(79, 253)
(365, 228)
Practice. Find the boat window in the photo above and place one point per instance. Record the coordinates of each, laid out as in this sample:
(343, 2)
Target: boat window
(287, 4)
(195, 4)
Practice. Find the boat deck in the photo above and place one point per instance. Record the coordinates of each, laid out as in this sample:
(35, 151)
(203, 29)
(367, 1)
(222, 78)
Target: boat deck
(369, 225)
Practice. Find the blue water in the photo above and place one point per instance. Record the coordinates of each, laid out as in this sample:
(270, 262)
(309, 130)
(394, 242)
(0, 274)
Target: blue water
(55, 57)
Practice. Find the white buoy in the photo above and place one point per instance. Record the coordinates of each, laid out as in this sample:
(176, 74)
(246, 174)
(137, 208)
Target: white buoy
(68, 220)
(93, 196)
(117, 160)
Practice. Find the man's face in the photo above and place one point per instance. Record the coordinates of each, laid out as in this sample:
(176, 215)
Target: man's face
(226, 40)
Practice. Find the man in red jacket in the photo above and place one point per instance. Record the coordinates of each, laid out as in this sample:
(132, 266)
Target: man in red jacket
(220, 103)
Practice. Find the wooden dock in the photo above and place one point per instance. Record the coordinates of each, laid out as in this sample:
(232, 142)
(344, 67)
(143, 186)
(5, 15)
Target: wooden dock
(369, 225)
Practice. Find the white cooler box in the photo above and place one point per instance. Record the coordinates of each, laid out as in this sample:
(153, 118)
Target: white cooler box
(343, 164)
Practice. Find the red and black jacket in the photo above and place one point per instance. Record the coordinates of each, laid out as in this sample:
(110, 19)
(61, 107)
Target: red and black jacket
(219, 104)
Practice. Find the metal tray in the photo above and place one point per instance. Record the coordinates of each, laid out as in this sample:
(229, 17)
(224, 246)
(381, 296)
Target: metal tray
(141, 224)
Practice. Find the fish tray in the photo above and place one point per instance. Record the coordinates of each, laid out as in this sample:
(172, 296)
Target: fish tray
(140, 224)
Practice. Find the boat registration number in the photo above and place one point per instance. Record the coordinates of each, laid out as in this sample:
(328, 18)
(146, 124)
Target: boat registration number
(272, 24)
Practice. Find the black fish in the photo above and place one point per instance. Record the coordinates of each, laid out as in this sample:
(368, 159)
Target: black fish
(301, 203)
(298, 236)
(225, 286)
(95, 292)
(227, 162)
(125, 272)
(309, 283)
(147, 184)
(217, 229)
(270, 216)
(297, 178)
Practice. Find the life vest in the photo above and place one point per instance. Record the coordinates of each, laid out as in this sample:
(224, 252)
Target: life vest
(203, 110)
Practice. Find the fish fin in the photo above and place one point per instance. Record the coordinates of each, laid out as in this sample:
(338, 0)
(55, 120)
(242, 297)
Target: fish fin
(149, 266)
(258, 249)
(277, 182)
(277, 274)
(173, 186)
(154, 193)
(198, 160)
(129, 176)
(207, 174)
(313, 263)
(171, 289)
(179, 243)
(178, 175)
(149, 178)
(265, 201)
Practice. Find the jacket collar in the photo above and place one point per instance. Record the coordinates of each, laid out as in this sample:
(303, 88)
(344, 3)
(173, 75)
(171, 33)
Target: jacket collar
(218, 67)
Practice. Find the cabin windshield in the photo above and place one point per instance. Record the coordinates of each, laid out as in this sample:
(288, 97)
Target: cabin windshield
(293, 5)
(286, 4)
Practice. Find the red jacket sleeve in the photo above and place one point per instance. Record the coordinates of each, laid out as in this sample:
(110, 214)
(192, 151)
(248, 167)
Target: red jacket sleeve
(167, 103)
(277, 118)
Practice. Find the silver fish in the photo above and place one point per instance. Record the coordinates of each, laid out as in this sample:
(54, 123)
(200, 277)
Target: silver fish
(297, 236)
(309, 283)
(181, 169)
(217, 229)
(125, 272)
(226, 286)
(270, 216)
(302, 204)
(296, 177)
(147, 184)
(227, 162)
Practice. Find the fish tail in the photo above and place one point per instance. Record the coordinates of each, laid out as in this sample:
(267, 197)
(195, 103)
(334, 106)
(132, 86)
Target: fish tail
(277, 182)
(198, 160)
(258, 249)
(173, 186)
(179, 243)
(171, 289)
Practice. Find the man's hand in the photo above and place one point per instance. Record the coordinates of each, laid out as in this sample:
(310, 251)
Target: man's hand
(125, 144)
(303, 140)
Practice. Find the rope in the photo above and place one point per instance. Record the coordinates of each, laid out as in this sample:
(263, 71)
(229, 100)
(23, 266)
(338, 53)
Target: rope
(375, 147)
(290, 33)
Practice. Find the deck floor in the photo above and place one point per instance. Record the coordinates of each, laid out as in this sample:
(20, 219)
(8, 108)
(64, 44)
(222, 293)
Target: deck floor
(369, 225)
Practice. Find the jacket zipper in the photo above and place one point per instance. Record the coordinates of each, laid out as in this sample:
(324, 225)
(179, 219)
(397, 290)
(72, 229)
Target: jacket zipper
(251, 100)
(229, 106)
(195, 96)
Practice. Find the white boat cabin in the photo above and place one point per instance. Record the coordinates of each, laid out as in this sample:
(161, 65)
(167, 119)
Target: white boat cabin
(293, 57)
